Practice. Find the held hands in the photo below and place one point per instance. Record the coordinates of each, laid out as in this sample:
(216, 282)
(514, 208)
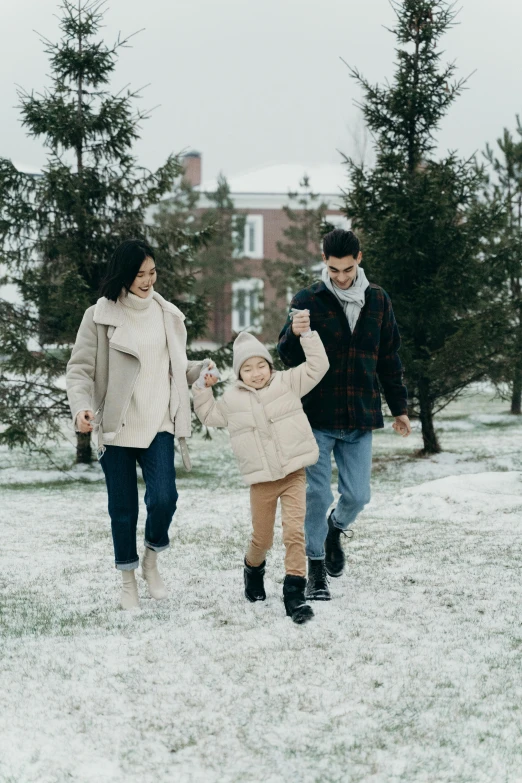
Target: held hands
(210, 378)
(402, 426)
(83, 421)
(300, 321)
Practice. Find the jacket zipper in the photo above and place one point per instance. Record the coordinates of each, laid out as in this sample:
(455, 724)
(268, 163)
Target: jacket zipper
(275, 442)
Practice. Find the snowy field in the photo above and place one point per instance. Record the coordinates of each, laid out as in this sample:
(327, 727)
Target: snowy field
(413, 672)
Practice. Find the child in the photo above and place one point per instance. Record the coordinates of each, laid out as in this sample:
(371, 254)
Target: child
(273, 442)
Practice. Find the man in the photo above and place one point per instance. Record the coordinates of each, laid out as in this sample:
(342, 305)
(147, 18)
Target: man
(355, 321)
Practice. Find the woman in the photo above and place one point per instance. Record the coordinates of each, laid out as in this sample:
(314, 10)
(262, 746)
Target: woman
(128, 377)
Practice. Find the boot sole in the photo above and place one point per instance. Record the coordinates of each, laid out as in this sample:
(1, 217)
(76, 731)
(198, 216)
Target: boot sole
(253, 600)
(335, 574)
(332, 571)
(302, 615)
(323, 597)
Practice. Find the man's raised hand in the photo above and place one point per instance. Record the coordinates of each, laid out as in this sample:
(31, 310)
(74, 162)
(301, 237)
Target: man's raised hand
(300, 322)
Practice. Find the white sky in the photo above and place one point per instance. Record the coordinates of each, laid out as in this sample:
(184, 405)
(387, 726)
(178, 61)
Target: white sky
(252, 82)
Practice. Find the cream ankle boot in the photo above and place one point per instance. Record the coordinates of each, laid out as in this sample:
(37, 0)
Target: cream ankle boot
(149, 571)
(129, 591)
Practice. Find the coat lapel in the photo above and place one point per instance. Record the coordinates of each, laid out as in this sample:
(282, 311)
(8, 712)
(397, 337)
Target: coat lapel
(111, 314)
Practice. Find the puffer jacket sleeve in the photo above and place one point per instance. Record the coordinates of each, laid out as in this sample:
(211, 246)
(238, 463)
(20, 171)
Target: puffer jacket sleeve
(210, 412)
(303, 378)
(79, 377)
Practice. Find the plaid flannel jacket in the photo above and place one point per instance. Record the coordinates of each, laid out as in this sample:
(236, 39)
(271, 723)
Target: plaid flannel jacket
(348, 396)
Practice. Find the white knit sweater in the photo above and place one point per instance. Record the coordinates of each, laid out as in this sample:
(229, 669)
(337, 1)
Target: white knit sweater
(148, 411)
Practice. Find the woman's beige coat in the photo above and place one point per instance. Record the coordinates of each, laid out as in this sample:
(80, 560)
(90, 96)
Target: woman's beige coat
(105, 364)
(269, 431)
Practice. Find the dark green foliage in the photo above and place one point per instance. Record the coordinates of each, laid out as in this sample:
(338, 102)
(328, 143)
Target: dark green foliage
(58, 230)
(221, 263)
(218, 261)
(427, 239)
(505, 187)
(299, 252)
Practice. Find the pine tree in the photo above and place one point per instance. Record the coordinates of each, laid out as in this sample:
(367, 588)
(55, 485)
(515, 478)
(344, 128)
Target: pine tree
(426, 238)
(299, 253)
(505, 186)
(220, 263)
(57, 231)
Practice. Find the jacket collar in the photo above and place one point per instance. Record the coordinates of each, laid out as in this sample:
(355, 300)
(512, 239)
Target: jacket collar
(109, 313)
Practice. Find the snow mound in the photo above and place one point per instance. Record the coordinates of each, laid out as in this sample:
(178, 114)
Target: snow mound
(468, 495)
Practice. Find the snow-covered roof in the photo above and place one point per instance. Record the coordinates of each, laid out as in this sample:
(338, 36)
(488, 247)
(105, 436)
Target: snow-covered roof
(326, 179)
(24, 168)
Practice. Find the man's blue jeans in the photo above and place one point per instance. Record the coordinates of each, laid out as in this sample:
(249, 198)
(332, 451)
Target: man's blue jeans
(352, 451)
(157, 465)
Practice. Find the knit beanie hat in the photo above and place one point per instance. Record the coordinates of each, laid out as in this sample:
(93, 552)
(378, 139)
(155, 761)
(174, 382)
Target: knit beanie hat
(245, 347)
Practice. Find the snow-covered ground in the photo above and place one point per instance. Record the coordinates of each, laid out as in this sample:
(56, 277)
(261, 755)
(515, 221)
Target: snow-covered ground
(412, 673)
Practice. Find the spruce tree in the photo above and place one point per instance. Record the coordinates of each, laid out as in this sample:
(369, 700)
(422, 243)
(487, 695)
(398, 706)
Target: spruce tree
(299, 252)
(426, 237)
(221, 262)
(57, 231)
(505, 187)
(218, 261)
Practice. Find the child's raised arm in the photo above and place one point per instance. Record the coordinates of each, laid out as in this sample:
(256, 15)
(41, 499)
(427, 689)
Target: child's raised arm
(303, 378)
(209, 411)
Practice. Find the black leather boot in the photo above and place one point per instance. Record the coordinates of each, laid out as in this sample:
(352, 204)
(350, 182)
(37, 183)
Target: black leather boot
(294, 598)
(254, 585)
(317, 586)
(334, 555)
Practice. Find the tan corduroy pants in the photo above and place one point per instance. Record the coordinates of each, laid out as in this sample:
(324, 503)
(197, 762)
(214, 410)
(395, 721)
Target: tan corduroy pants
(263, 502)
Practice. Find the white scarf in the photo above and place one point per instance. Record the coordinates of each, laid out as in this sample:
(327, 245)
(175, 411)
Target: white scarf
(352, 299)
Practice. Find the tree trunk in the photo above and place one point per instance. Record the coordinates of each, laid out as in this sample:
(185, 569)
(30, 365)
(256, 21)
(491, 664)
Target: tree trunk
(516, 392)
(429, 436)
(516, 396)
(83, 448)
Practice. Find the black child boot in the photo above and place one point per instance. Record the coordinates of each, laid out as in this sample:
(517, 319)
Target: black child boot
(334, 555)
(293, 596)
(254, 586)
(317, 586)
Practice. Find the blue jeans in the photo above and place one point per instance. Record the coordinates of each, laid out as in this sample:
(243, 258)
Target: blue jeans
(352, 451)
(157, 465)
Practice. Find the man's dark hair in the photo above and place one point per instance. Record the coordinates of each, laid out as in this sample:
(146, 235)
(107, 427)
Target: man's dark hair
(124, 266)
(340, 243)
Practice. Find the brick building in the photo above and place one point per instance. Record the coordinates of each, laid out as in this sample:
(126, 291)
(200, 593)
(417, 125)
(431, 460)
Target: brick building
(261, 195)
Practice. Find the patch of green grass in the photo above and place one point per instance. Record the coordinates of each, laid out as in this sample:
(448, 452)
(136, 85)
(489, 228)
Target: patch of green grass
(25, 614)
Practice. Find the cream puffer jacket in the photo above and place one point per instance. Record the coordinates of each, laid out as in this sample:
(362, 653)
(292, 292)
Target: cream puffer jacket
(269, 431)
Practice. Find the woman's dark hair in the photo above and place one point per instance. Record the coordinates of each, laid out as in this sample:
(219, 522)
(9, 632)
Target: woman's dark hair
(340, 243)
(124, 266)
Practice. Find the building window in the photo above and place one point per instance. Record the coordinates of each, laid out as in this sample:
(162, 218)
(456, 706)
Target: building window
(253, 242)
(247, 304)
(338, 221)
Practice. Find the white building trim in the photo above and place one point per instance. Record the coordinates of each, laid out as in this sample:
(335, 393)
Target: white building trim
(247, 304)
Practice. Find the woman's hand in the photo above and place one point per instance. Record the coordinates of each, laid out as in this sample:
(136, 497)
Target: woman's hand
(300, 322)
(83, 421)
